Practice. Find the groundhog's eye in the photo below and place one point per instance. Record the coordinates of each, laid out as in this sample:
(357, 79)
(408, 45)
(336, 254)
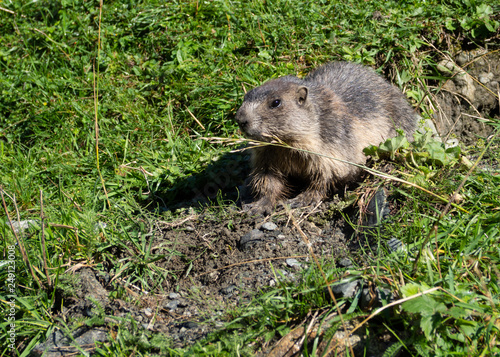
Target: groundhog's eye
(275, 103)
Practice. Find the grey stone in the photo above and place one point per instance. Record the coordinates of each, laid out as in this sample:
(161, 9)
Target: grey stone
(345, 262)
(60, 344)
(172, 305)
(451, 143)
(229, 290)
(377, 209)
(269, 226)
(173, 296)
(252, 237)
(19, 226)
(428, 125)
(485, 78)
(346, 290)
(394, 244)
(292, 263)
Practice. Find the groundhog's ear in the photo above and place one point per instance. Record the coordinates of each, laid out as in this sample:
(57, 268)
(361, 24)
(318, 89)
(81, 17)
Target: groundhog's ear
(301, 95)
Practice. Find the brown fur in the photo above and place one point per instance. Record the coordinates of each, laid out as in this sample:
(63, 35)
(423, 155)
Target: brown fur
(336, 111)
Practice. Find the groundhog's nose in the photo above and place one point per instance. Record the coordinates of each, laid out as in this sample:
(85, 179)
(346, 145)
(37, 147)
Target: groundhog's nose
(241, 118)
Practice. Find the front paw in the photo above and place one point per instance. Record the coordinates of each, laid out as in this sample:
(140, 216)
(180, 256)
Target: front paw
(306, 198)
(262, 207)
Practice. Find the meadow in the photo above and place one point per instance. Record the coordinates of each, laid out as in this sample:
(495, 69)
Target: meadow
(107, 110)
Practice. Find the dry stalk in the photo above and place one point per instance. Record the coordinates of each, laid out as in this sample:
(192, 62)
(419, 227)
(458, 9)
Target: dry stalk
(96, 104)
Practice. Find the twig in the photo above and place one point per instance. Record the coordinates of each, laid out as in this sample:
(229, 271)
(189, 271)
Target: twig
(195, 119)
(96, 103)
(7, 10)
(48, 37)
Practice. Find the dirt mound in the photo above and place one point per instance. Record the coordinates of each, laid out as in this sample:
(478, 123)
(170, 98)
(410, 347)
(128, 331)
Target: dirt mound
(468, 100)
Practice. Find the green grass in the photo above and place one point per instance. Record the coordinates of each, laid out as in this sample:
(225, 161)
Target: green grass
(162, 64)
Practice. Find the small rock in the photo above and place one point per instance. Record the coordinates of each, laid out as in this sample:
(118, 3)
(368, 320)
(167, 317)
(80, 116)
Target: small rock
(189, 228)
(462, 79)
(485, 78)
(19, 226)
(345, 290)
(59, 344)
(352, 340)
(428, 125)
(173, 296)
(451, 143)
(250, 238)
(182, 303)
(395, 244)
(229, 290)
(377, 209)
(269, 226)
(148, 312)
(292, 263)
(172, 305)
(462, 58)
(283, 272)
(345, 262)
(188, 325)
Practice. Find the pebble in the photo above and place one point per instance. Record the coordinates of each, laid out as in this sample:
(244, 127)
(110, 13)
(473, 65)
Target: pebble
(253, 236)
(345, 262)
(291, 262)
(172, 305)
(377, 209)
(189, 325)
(19, 226)
(229, 289)
(148, 312)
(395, 244)
(269, 226)
(485, 78)
(353, 339)
(59, 341)
(451, 143)
(173, 296)
(346, 290)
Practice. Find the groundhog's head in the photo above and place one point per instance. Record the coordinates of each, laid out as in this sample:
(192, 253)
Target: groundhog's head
(278, 109)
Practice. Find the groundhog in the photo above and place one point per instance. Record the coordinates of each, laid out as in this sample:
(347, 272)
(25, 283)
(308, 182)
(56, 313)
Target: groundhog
(334, 112)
